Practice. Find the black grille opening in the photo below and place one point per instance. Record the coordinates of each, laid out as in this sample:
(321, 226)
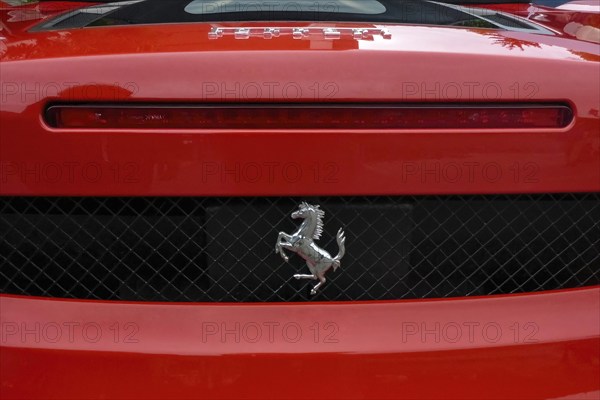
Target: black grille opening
(222, 249)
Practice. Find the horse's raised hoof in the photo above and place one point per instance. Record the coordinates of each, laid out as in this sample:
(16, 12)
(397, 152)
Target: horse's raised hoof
(313, 292)
(297, 276)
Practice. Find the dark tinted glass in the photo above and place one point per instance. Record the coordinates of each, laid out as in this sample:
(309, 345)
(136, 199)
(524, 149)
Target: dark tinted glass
(368, 11)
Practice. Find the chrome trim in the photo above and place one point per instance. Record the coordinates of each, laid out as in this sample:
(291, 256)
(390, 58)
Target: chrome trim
(319, 33)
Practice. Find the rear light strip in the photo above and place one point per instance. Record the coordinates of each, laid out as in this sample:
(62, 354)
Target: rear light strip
(308, 117)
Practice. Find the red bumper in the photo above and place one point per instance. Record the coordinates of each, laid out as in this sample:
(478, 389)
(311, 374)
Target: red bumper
(544, 345)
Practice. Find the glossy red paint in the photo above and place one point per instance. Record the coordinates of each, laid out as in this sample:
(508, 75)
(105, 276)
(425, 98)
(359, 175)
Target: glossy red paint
(419, 64)
(543, 345)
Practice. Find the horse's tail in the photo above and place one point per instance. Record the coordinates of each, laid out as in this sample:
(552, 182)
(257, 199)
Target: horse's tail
(341, 241)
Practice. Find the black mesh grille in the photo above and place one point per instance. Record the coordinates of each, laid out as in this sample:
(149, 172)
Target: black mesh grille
(222, 249)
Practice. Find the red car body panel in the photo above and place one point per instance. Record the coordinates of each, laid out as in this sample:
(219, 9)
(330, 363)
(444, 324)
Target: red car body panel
(549, 343)
(518, 346)
(468, 66)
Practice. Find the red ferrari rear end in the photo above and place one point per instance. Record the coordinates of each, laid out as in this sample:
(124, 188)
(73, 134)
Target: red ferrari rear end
(299, 199)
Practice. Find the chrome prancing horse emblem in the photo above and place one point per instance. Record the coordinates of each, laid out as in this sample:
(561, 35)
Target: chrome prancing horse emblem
(303, 243)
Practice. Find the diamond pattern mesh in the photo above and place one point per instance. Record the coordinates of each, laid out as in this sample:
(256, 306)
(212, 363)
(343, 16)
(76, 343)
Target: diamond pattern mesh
(222, 249)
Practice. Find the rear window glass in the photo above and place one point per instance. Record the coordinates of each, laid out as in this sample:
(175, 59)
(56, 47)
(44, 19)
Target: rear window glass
(417, 12)
(371, 11)
(368, 7)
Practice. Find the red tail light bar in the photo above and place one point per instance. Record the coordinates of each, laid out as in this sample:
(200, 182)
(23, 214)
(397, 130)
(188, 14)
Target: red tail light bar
(337, 116)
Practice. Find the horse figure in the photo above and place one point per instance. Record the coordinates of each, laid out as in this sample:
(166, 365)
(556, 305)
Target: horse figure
(303, 243)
